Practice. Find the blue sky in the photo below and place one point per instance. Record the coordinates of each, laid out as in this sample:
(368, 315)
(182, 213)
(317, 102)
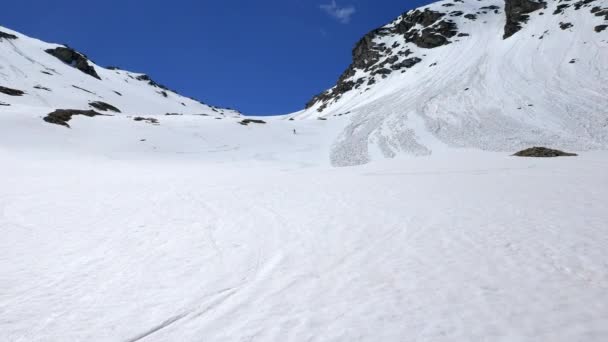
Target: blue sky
(261, 57)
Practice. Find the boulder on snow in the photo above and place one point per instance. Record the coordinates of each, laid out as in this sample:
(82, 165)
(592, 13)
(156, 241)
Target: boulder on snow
(104, 107)
(4, 35)
(62, 116)
(246, 122)
(11, 91)
(543, 152)
(148, 120)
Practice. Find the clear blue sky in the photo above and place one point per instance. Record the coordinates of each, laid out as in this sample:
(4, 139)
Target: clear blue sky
(259, 56)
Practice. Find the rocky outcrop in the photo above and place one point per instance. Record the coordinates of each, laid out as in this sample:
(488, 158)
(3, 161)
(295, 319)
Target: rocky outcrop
(543, 152)
(517, 14)
(104, 107)
(75, 59)
(425, 29)
(7, 36)
(62, 116)
(151, 82)
(11, 91)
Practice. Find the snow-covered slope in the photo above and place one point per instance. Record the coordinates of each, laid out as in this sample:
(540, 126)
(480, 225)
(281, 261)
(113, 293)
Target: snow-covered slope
(490, 74)
(40, 77)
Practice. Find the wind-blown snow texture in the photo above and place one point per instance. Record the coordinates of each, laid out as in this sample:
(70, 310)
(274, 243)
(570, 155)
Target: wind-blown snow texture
(196, 228)
(544, 85)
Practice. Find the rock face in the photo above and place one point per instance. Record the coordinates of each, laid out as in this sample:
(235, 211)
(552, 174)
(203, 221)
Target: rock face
(75, 59)
(543, 152)
(4, 35)
(424, 29)
(517, 13)
(62, 116)
(11, 92)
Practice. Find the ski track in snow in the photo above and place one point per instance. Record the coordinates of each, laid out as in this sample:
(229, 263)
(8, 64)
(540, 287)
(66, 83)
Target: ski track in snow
(478, 247)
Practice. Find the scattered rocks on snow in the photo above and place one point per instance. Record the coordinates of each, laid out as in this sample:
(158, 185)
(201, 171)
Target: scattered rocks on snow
(543, 152)
(62, 116)
(75, 59)
(11, 92)
(104, 107)
(565, 26)
(4, 104)
(600, 28)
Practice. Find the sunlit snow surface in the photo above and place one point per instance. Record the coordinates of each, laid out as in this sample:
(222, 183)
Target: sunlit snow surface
(188, 237)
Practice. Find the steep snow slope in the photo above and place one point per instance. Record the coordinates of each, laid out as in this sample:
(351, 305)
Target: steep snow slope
(67, 79)
(445, 75)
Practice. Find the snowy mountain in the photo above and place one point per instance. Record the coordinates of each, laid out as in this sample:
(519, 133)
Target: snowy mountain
(489, 74)
(41, 77)
(141, 226)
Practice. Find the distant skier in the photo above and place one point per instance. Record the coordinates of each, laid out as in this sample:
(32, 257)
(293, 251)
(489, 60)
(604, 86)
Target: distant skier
(294, 131)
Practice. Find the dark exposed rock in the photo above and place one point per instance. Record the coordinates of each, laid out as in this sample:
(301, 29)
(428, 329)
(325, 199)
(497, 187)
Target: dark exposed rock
(117, 93)
(560, 9)
(62, 116)
(173, 114)
(517, 14)
(46, 72)
(148, 120)
(7, 36)
(456, 13)
(470, 16)
(75, 59)
(491, 8)
(463, 35)
(582, 3)
(246, 122)
(543, 152)
(41, 88)
(407, 63)
(600, 28)
(565, 26)
(112, 68)
(599, 12)
(151, 82)
(11, 91)
(104, 107)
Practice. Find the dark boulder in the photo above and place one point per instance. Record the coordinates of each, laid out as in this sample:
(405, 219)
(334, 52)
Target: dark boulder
(543, 152)
(11, 92)
(62, 116)
(104, 107)
(148, 120)
(7, 36)
(600, 28)
(75, 59)
(246, 122)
